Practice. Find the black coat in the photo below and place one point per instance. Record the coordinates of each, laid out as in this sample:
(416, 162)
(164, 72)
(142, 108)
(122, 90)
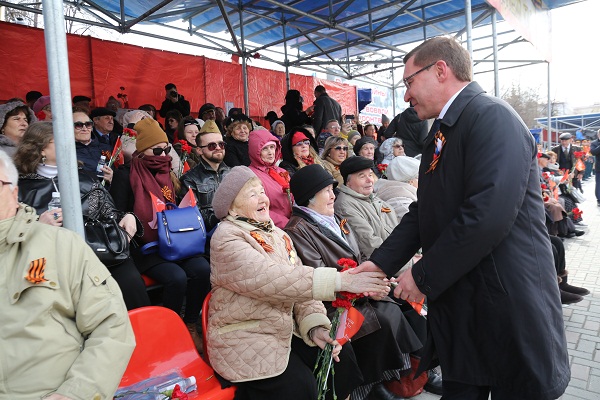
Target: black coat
(326, 109)
(495, 315)
(236, 152)
(89, 154)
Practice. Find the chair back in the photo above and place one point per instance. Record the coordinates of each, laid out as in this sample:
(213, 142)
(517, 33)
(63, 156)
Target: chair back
(164, 344)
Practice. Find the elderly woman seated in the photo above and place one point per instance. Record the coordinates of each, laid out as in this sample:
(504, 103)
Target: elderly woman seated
(383, 343)
(264, 321)
(334, 153)
(298, 149)
(390, 149)
(371, 218)
(400, 189)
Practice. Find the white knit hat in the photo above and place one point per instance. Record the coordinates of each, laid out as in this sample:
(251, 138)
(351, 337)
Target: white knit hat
(403, 169)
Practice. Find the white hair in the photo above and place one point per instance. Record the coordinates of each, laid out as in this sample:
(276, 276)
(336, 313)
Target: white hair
(8, 166)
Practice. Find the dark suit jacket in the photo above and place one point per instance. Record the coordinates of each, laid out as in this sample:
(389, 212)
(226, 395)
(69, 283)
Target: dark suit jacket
(495, 315)
(570, 157)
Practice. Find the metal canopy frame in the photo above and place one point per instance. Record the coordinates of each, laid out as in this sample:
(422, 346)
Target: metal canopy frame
(346, 38)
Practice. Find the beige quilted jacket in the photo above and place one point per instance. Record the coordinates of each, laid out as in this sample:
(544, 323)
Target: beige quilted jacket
(262, 294)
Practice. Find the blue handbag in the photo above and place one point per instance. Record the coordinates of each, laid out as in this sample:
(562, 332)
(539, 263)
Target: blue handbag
(181, 233)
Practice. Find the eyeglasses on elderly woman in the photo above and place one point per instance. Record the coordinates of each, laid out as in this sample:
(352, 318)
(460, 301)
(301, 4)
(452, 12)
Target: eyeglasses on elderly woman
(80, 125)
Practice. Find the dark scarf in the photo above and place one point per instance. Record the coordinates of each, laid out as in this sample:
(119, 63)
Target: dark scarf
(150, 174)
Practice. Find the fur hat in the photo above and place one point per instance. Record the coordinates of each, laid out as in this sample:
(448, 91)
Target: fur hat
(149, 133)
(10, 106)
(229, 188)
(206, 107)
(403, 169)
(101, 111)
(362, 141)
(209, 126)
(41, 103)
(354, 164)
(308, 181)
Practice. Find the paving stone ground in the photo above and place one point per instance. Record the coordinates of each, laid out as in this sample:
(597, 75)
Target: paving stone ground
(582, 320)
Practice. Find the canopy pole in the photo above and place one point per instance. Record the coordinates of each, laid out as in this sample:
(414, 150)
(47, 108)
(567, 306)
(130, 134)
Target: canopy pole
(495, 45)
(287, 62)
(62, 113)
(244, 55)
(469, 26)
(549, 110)
(393, 89)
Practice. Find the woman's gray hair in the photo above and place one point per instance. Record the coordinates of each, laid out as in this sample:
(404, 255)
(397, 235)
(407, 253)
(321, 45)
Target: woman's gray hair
(387, 147)
(8, 166)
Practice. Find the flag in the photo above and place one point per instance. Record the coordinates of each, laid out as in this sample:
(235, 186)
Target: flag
(350, 322)
(116, 157)
(189, 200)
(157, 206)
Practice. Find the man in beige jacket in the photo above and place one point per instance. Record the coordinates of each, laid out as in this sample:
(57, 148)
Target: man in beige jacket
(65, 331)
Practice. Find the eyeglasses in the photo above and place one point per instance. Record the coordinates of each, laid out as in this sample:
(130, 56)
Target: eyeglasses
(398, 146)
(342, 148)
(411, 76)
(303, 143)
(80, 125)
(213, 146)
(159, 150)
(2, 183)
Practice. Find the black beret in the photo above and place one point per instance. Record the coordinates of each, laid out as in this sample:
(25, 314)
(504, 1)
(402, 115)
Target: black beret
(101, 111)
(361, 142)
(354, 164)
(77, 99)
(206, 107)
(308, 181)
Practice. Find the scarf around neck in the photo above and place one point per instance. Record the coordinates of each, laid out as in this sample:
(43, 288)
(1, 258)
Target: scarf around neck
(150, 174)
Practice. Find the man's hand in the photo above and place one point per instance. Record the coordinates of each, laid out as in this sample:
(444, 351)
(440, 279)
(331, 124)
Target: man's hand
(407, 288)
(365, 266)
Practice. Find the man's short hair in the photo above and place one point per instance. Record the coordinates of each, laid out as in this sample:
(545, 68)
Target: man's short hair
(9, 168)
(330, 121)
(32, 96)
(170, 86)
(320, 89)
(447, 49)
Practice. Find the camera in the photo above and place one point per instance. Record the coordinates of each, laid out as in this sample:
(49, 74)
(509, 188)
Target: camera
(173, 93)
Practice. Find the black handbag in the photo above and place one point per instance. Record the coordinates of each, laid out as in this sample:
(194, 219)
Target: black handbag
(104, 235)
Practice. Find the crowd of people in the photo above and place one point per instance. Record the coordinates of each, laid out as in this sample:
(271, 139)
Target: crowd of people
(282, 206)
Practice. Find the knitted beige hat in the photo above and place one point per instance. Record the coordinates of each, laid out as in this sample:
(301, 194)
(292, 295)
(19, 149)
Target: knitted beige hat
(149, 133)
(229, 188)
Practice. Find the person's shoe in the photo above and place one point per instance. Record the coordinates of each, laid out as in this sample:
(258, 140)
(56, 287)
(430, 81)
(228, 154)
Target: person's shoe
(195, 337)
(569, 298)
(380, 392)
(578, 233)
(568, 235)
(580, 223)
(564, 286)
(598, 203)
(434, 382)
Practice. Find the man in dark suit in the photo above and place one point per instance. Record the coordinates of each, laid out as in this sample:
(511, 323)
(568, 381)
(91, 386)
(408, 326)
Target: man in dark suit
(566, 157)
(325, 109)
(487, 270)
(104, 126)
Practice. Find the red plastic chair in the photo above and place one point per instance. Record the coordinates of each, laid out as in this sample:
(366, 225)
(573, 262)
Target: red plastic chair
(163, 345)
(205, 326)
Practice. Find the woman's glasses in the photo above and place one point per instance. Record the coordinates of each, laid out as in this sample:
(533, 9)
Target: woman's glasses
(80, 125)
(213, 146)
(398, 146)
(157, 151)
(341, 148)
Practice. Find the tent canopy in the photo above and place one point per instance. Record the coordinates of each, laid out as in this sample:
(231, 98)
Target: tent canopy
(349, 38)
(588, 124)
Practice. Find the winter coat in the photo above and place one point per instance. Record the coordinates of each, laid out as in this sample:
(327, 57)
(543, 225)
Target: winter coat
(293, 116)
(236, 153)
(68, 334)
(259, 300)
(595, 151)
(371, 219)
(487, 269)
(326, 108)
(399, 195)
(181, 105)
(281, 207)
(334, 169)
(89, 154)
(408, 127)
(204, 181)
